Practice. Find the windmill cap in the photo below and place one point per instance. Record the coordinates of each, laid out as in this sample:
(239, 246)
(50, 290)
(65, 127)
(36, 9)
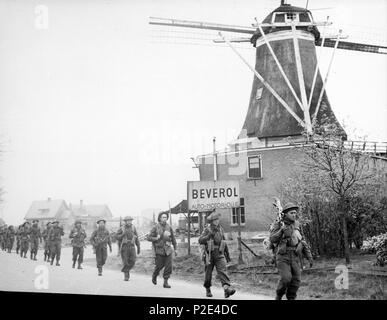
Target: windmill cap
(128, 218)
(98, 221)
(289, 206)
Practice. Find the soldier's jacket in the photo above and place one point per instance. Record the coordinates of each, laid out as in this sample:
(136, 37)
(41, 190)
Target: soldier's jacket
(45, 234)
(24, 234)
(289, 238)
(78, 236)
(163, 245)
(11, 234)
(101, 237)
(55, 234)
(216, 234)
(128, 236)
(35, 233)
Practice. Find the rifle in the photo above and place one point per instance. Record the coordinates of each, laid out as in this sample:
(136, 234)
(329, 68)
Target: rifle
(207, 251)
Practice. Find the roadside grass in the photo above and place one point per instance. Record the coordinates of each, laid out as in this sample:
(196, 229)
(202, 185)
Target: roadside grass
(314, 285)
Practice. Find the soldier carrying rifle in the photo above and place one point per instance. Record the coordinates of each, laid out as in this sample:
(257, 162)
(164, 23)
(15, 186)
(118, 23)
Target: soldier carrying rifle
(215, 255)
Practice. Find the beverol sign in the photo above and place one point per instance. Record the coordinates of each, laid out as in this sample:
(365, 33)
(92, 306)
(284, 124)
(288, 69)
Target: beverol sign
(208, 195)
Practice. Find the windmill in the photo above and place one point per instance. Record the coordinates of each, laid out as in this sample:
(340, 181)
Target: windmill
(288, 94)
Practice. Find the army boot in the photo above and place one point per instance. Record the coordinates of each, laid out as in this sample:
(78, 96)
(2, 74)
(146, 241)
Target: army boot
(35, 257)
(208, 292)
(45, 256)
(100, 271)
(25, 255)
(154, 280)
(31, 256)
(52, 261)
(126, 276)
(73, 264)
(79, 265)
(277, 297)
(228, 292)
(57, 263)
(166, 285)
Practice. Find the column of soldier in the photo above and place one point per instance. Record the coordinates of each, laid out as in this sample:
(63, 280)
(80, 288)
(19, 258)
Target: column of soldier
(286, 240)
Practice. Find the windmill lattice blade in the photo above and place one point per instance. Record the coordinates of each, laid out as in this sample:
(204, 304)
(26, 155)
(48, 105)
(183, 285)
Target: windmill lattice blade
(201, 25)
(354, 46)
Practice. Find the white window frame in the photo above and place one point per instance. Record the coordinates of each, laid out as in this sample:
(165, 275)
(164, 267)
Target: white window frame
(248, 167)
(234, 224)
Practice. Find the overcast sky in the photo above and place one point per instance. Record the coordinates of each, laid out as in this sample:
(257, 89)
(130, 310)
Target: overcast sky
(92, 108)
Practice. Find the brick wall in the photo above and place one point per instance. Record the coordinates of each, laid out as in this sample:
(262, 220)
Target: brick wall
(257, 193)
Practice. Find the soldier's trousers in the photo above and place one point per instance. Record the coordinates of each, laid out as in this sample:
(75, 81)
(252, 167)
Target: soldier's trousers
(10, 244)
(47, 248)
(128, 256)
(23, 246)
(219, 262)
(34, 245)
(78, 254)
(165, 262)
(101, 255)
(17, 246)
(55, 249)
(289, 269)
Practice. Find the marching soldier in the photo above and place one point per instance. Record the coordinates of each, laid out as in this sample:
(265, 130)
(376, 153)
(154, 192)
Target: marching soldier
(100, 239)
(18, 244)
(78, 236)
(215, 255)
(55, 238)
(3, 231)
(163, 239)
(35, 238)
(24, 239)
(128, 237)
(46, 242)
(287, 239)
(10, 238)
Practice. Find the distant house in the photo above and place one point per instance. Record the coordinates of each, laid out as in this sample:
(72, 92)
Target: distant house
(50, 210)
(90, 214)
(2, 222)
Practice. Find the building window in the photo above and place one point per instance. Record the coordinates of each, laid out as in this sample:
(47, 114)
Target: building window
(259, 93)
(279, 17)
(235, 213)
(255, 167)
(291, 17)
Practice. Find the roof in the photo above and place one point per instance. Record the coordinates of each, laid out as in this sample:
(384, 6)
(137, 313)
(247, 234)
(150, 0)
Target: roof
(95, 211)
(47, 209)
(181, 207)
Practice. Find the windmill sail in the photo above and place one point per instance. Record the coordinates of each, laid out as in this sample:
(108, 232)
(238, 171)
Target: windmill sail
(354, 46)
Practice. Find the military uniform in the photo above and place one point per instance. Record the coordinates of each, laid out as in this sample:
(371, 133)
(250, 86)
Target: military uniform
(128, 237)
(35, 237)
(10, 238)
(100, 239)
(18, 243)
(287, 238)
(55, 238)
(78, 236)
(215, 255)
(163, 239)
(3, 230)
(47, 251)
(24, 240)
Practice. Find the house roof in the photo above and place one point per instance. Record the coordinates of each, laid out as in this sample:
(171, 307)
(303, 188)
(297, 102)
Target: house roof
(95, 211)
(47, 209)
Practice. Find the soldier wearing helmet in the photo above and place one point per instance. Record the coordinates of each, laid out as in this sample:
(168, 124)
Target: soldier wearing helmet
(127, 234)
(286, 236)
(100, 239)
(35, 237)
(78, 236)
(216, 255)
(163, 239)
